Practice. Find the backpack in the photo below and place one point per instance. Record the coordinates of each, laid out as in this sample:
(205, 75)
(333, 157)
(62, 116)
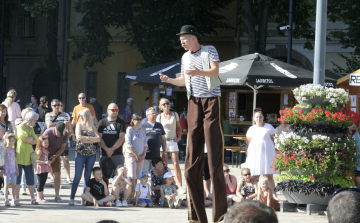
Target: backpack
(108, 168)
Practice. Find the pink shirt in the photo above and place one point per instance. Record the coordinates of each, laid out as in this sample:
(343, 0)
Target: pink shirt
(14, 112)
(43, 168)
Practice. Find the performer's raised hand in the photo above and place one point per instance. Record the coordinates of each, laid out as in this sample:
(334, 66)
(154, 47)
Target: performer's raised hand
(164, 78)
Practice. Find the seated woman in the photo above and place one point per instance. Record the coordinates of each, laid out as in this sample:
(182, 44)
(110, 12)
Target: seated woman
(157, 177)
(248, 185)
(121, 187)
(231, 184)
(97, 191)
(265, 194)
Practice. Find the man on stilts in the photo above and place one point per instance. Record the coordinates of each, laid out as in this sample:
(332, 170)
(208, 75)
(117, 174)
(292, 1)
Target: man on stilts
(200, 75)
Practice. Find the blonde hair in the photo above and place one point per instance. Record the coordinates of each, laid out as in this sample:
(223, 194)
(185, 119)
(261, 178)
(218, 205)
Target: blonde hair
(25, 111)
(10, 97)
(120, 169)
(242, 170)
(225, 165)
(7, 137)
(261, 179)
(89, 122)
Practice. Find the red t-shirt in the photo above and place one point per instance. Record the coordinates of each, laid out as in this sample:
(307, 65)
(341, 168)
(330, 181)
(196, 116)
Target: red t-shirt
(184, 125)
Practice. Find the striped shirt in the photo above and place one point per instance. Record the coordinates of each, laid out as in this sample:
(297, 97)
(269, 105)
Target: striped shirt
(63, 117)
(198, 83)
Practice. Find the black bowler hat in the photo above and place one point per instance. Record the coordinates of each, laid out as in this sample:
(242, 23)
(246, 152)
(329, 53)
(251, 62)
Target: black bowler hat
(188, 29)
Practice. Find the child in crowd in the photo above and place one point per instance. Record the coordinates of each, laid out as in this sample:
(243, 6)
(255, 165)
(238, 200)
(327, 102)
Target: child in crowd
(143, 191)
(265, 195)
(43, 166)
(121, 187)
(10, 167)
(248, 185)
(97, 192)
(168, 192)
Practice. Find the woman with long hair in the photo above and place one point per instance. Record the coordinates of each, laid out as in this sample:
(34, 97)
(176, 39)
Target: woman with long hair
(86, 135)
(42, 110)
(13, 108)
(26, 137)
(172, 127)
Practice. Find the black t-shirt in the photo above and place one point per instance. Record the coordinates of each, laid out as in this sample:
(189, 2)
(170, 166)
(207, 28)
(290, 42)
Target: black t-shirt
(110, 132)
(153, 136)
(42, 112)
(98, 110)
(97, 189)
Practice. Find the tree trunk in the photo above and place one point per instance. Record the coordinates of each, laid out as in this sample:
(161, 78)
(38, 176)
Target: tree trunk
(52, 63)
(248, 19)
(263, 25)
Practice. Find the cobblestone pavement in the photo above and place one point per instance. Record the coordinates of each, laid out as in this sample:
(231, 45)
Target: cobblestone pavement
(61, 212)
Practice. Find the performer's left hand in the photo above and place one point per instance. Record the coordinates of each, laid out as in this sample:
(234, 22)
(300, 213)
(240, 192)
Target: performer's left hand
(195, 72)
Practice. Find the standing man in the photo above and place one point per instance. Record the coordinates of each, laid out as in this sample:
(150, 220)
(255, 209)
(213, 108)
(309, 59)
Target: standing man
(82, 105)
(51, 119)
(112, 131)
(155, 136)
(200, 75)
(58, 138)
(97, 107)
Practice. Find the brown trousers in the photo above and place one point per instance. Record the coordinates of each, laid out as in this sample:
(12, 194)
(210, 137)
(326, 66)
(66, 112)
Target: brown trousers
(204, 126)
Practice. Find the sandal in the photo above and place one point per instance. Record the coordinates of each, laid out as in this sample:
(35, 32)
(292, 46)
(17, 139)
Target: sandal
(34, 202)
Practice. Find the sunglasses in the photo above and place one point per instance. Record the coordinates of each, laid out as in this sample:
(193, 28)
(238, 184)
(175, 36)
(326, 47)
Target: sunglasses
(227, 170)
(114, 110)
(166, 103)
(81, 98)
(57, 105)
(137, 119)
(247, 174)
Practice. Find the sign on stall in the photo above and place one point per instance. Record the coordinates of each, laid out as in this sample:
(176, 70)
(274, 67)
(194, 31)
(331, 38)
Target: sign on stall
(354, 79)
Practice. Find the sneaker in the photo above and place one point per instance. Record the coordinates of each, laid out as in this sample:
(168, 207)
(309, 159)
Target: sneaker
(23, 191)
(118, 203)
(178, 203)
(71, 202)
(7, 203)
(107, 204)
(83, 202)
(171, 203)
(34, 202)
(58, 199)
(16, 202)
(182, 190)
(1, 193)
(124, 203)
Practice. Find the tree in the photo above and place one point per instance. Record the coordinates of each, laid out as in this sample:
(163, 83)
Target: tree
(49, 9)
(347, 12)
(255, 15)
(150, 26)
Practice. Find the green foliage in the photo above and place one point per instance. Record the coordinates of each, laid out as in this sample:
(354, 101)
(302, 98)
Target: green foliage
(347, 11)
(41, 8)
(150, 25)
(334, 180)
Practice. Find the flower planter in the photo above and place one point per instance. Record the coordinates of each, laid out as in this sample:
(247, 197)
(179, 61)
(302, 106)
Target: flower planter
(321, 123)
(315, 101)
(301, 198)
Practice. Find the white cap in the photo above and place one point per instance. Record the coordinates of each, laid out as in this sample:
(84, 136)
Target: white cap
(130, 99)
(168, 175)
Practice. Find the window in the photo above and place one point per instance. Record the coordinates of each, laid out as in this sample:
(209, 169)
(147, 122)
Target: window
(25, 26)
(91, 84)
(123, 91)
(241, 101)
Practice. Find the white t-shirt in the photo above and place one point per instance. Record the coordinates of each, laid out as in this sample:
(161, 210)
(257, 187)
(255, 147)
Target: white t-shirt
(143, 190)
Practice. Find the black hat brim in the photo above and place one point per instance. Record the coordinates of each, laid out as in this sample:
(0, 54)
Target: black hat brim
(183, 33)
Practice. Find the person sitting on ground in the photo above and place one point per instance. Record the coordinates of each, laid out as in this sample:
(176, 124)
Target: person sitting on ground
(121, 187)
(265, 194)
(248, 185)
(251, 211)
(231, 184)
(143, 191)
(344, 207)
(97, 192)
(168, 192)
(157, 176)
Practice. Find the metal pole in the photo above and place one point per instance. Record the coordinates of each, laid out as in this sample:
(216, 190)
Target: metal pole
(290, 32)
(2, 49)
(320, 42)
